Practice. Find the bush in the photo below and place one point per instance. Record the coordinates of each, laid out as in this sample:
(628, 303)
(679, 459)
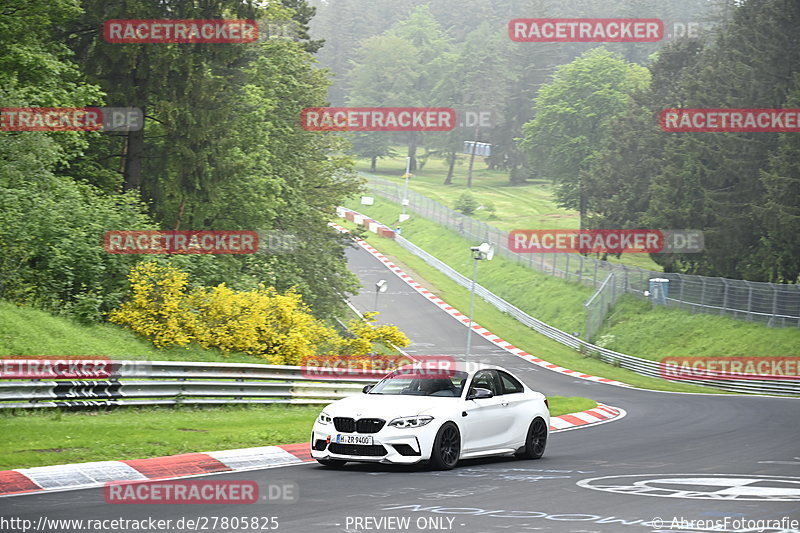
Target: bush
(51, 234)
(466, 203)
(260, 322)
(490, 208)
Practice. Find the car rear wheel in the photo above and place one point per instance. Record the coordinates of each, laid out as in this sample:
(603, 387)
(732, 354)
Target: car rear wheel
(536, 441)
(335, 463)
(446, 447)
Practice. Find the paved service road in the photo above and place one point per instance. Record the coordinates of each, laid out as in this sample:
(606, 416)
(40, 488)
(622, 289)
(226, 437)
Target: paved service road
(726, 460)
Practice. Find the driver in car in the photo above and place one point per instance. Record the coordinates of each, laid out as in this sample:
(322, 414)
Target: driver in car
(438, 387)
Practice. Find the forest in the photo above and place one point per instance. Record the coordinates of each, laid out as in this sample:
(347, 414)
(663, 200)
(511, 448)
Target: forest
(586, 115)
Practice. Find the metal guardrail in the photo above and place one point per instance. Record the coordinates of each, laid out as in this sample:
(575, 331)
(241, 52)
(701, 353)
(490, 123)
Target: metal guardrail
(184, 383)
(645, 367)
(772, 303)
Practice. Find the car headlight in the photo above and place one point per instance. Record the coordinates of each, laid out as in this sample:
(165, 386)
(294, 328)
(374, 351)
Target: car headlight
(410, 421)
(324, 418)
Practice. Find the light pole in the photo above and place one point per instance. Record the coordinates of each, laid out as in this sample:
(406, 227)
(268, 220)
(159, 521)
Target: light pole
(380, 287)
(484, 251)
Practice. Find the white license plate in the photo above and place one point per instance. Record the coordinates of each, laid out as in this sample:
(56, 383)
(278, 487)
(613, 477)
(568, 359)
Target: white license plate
(354, 439)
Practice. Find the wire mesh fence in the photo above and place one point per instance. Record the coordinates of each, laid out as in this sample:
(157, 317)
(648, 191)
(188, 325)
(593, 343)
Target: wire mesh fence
(598, 306)
(771, 303)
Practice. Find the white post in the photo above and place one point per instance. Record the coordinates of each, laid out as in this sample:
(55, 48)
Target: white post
(405, 191)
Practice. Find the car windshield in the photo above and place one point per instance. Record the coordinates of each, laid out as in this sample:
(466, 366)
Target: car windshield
(449, 386)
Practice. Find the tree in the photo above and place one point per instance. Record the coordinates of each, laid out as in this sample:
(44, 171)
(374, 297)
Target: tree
(466, 203)
(302, 15)
(572, 117)
(780, 213)
(400, 68)
(222, 146)
(619, 178)
(373, 146)
(473, 79)
(432, 44)
(382, 76)
(751, 64)
(739, 188)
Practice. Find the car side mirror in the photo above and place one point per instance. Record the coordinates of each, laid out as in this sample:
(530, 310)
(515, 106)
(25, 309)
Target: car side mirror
(367, 388)
(479, 393)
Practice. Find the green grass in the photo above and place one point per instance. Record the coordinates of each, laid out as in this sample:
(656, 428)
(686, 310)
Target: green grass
(562, 405)
(28, 331)
(528, 206)
(633, 327)
(54, 437)
(44, 438)
(509, 328)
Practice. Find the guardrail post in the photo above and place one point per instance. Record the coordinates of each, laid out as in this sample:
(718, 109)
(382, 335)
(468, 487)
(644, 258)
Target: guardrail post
(724, 297)
(749, 301)
(702, 294)
(774, 304)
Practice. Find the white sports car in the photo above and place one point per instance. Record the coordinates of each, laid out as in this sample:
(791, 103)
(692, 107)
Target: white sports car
(472, 410)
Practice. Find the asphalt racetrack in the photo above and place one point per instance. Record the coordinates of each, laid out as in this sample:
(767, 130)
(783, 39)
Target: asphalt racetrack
(676, 462)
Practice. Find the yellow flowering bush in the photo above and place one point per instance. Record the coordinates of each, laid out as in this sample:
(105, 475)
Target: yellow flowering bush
(261, 322)
(366, 334)
(157, 308)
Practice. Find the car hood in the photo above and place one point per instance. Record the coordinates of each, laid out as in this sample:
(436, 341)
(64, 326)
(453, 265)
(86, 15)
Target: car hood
(389, 407)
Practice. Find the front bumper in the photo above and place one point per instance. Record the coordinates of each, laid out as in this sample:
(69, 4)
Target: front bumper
(390, 445)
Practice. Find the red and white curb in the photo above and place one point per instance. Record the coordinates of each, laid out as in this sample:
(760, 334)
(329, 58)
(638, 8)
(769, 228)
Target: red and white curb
(96, 474)
(599, 415)
(453, 312)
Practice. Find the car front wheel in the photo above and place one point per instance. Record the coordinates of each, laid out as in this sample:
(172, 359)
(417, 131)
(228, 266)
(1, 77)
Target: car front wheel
(536, 441)
(446, 447)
